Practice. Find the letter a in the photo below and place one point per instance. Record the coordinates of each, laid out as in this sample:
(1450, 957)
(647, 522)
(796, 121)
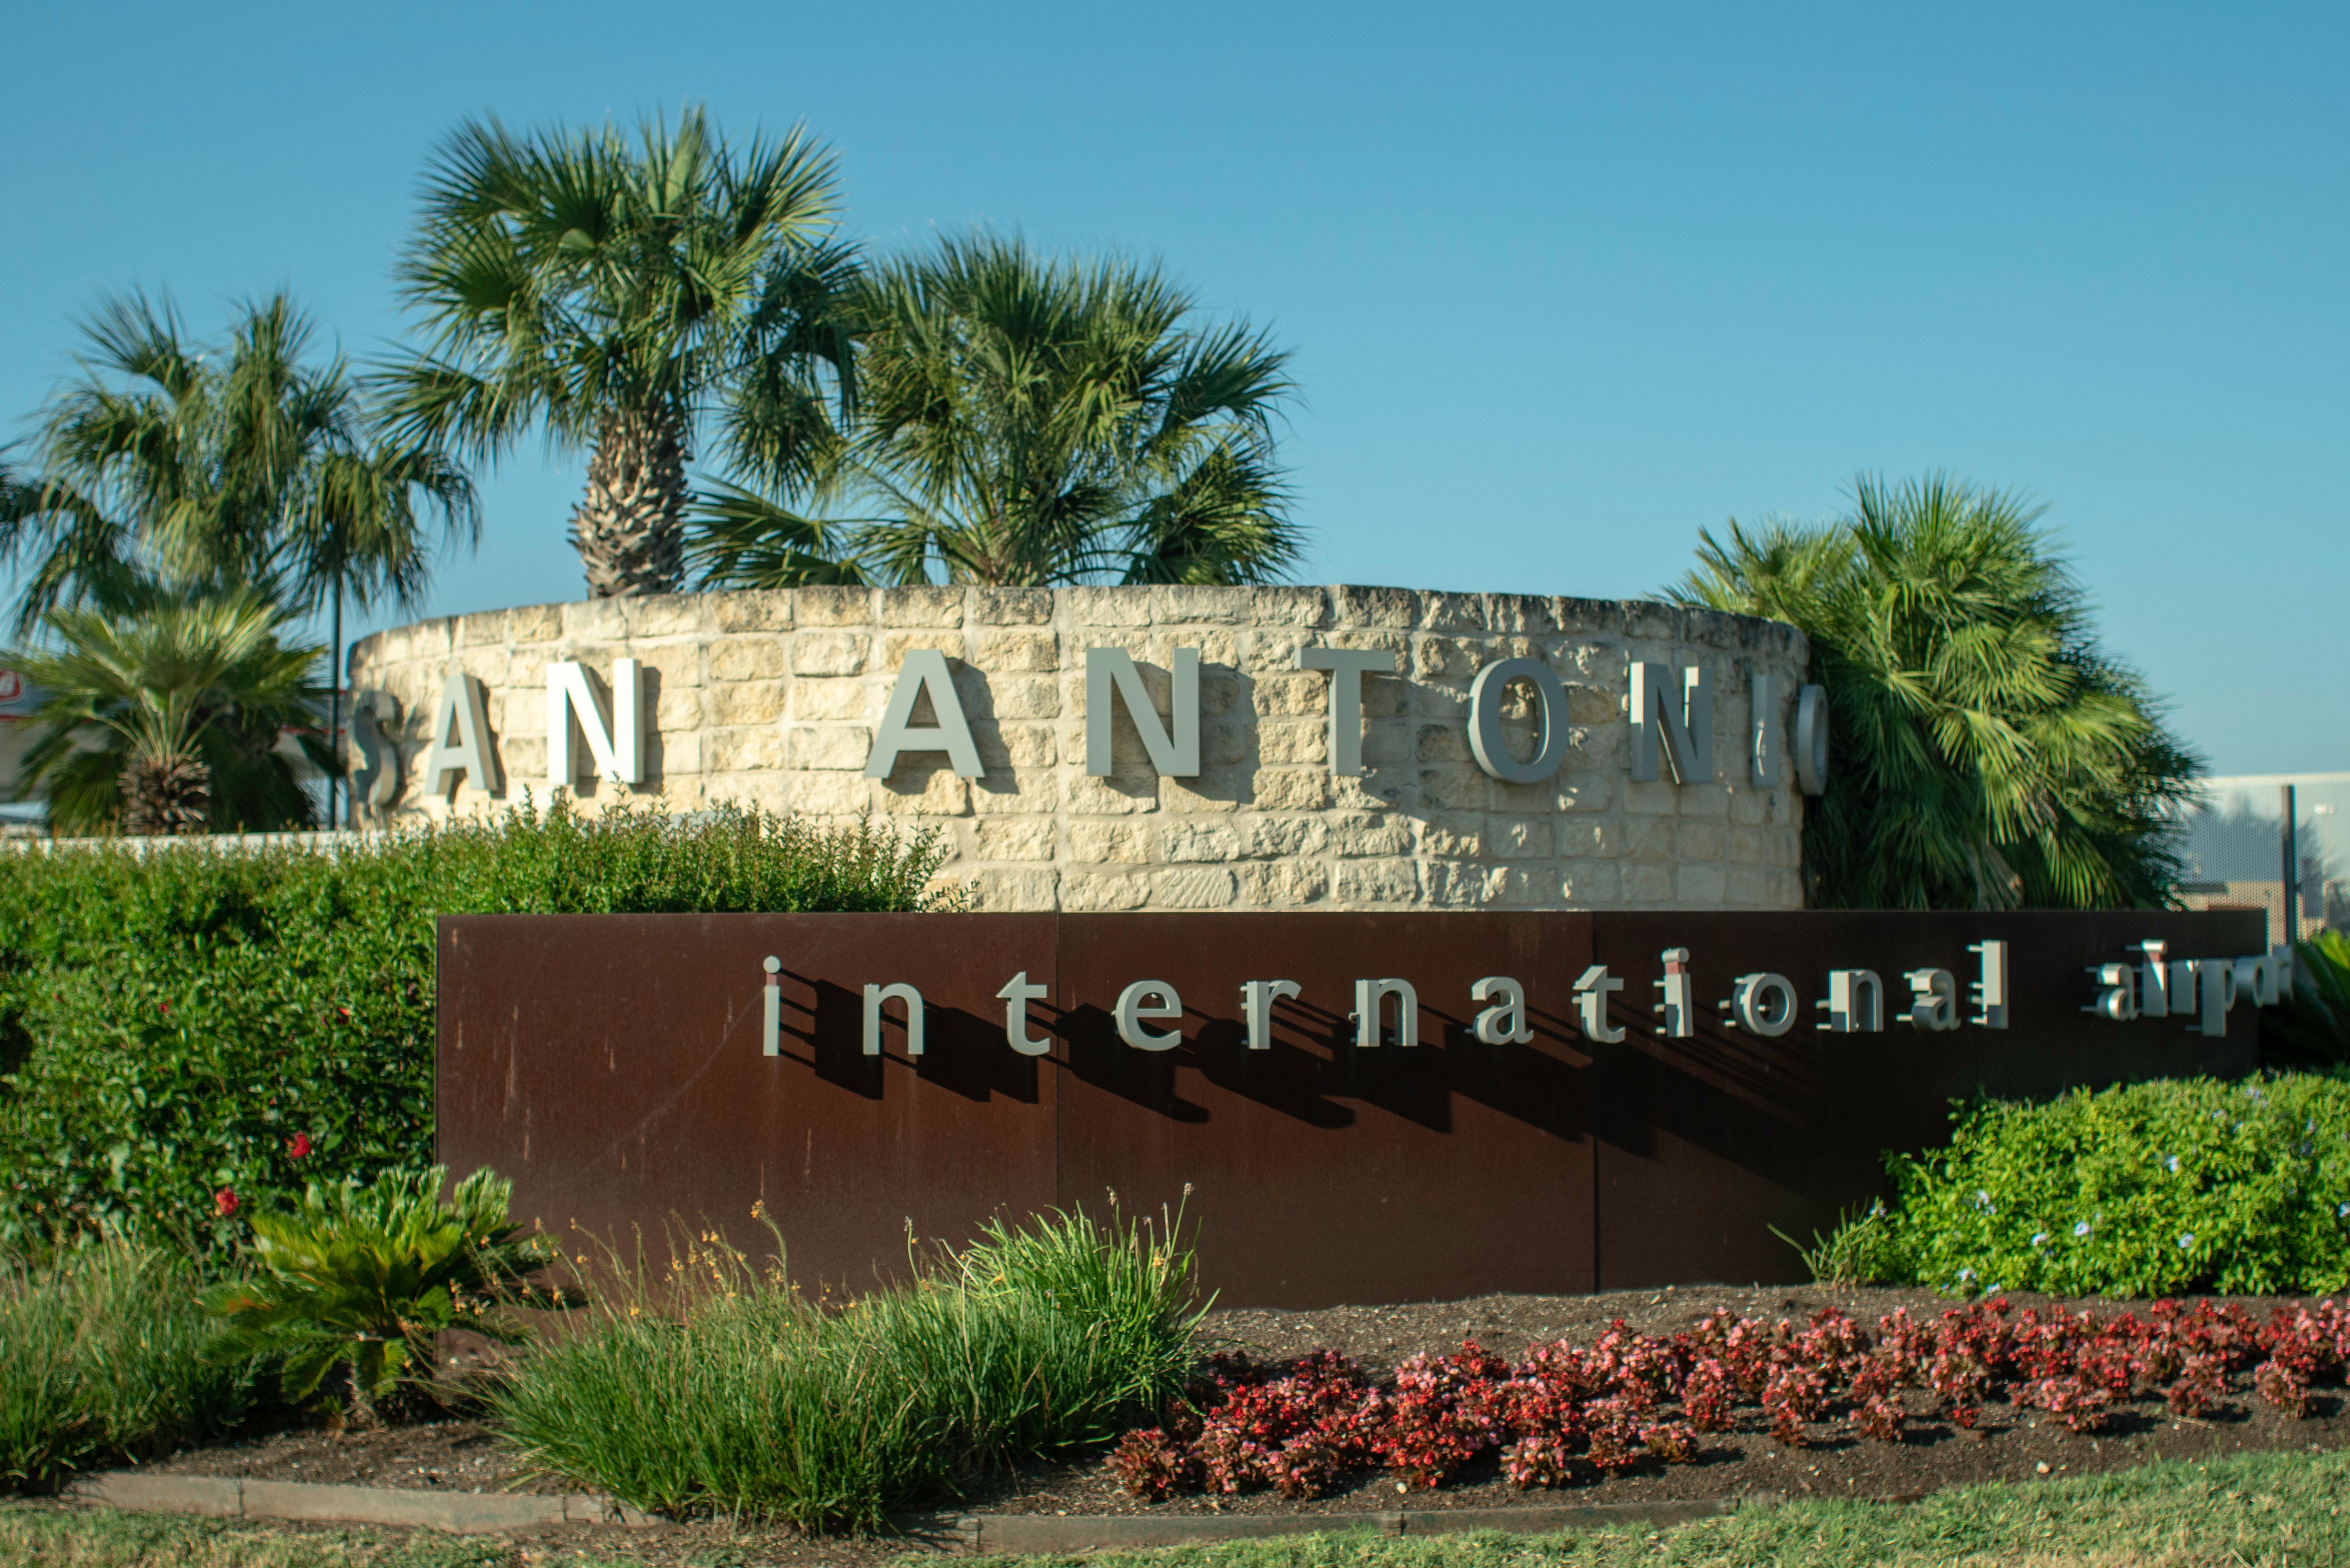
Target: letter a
(925, 670)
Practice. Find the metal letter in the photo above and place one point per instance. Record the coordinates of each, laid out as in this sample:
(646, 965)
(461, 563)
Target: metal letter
(1257, 997)
(2284, 961)
(2154, 981)
(2257, 976)
(1016, 994)
(1751, 1007)
(1770, 736)
(771, 1027)
(1856, 1003)
(1990, 986)
(1131, 1007)
(2183, 974)
(1680, 1005)
(925, 670)
(1108, 667)
(613, 729)
(875, 996)
(1591, 994)
(1504, 1022)
(2118, 1000)
(375, 755)
(460, 708)
(2217, 980)
(1687, 725)
(1347, 666)
(1370, 996)
(1812, 740)
(1936, 1008)
(1485, 742)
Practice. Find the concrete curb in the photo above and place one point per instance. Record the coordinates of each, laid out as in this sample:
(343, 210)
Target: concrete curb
(464, 1513)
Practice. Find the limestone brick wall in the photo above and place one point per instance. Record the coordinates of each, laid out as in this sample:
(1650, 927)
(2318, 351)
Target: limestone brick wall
(773, 699)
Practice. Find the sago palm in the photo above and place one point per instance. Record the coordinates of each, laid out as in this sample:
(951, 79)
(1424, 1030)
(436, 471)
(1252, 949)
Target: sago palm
(166, 719)
(622, 295)
(1988, 755)
(1025, 422)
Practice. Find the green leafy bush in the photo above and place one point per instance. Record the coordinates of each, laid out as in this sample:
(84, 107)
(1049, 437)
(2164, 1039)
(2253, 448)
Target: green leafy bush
(363, 1277)
(101, 1357)
(722, 1389)
(188, 1034)
(2148, 1190)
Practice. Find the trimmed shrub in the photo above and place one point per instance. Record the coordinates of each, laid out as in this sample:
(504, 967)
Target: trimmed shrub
(720, 1389)
(101, 1356)
(190, 1032)
(2148, 1190)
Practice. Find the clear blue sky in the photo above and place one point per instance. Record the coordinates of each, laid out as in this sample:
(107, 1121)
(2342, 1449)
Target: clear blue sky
(1566, 283)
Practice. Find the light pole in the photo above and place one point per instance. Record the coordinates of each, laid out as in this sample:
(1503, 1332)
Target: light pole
(2292, 887)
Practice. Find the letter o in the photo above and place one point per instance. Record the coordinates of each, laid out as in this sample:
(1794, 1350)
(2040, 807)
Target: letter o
(1485, 741)
(1750, 999)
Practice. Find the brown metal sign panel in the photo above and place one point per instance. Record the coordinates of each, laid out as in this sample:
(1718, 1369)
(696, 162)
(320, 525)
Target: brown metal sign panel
(1707, 1142)
(613, 1067)
(1323, 1170)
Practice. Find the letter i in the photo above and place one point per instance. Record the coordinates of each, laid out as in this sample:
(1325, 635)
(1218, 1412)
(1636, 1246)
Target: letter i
(771, 1027)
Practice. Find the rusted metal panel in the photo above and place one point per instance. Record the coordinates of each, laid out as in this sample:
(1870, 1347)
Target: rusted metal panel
(611, 1064)
(1705, 1143)
(1320, 1171)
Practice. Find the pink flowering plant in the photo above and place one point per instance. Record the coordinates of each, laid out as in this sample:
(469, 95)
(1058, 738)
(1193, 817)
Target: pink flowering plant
(1567, 1415)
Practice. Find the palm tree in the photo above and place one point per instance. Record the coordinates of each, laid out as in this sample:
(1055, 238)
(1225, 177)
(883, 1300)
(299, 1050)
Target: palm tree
(170, 470)
(165, 719)
(1989, 755)
(621, 296)
(1019, 421)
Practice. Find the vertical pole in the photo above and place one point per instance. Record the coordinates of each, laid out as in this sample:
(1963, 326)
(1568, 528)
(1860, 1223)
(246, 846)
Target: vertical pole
(335, 710)
(2288, 898)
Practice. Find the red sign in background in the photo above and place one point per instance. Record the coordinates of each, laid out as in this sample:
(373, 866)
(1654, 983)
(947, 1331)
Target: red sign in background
(613, 1067)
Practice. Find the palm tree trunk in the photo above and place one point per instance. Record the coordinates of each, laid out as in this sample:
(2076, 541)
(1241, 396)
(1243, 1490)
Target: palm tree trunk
(629, 528)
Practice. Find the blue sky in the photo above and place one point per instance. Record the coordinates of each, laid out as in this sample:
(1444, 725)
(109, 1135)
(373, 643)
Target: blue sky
(1565, 284)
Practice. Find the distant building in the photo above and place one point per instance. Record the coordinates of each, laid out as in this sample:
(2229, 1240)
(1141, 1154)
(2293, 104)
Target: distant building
(19, 699)
(2233, 845)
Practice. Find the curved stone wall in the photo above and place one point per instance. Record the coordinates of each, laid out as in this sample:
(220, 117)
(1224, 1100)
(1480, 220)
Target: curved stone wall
(775, 699)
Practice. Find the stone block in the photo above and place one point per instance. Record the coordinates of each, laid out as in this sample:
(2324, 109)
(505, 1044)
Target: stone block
(1748, 887)
(1374, 882)
(1442, 743)
(679, 708)
(665, 615)
(1222, 745)
(1011, 838)
(1111, 842)
(1746, 847)
(1289, 607)
(1290, 789)
(595, 620)
(1599, 617)
(1118, 794)
(1532, 887)
(1280, 885)
(1397, 607)
(1018, 652)
(534, 623)
(745, 702)
(1522, 613)
(1648, 884)
(1519, 837)
(1087, 891)
(1191, 887)
(1648, 838)
(1017, 746)
(915, 788)
(1190, 605)
(1214, 841)
(1455, 787)
(1581, 791)
(1361, 834)
(1026, 890)
(751, 611)
(1458, 884)
(1007, 792)
(1456, 836)
(1700, 887)
(1293, 740)
(820, 700)
(1286, 836)
(828, 653)
(484, 628)
(1702, 840)
(1706, 799)
(1591, 884)
(1295, 695)
(1217, 790)
(1785, 846)
(1748, 807)
(1105, 606)
(832, 606)
(1656, 798)
(891, 651)
(742, 750)
(931, 606)
(1018, 698)
(1010, 606)
(1588, 704)
(828, 747)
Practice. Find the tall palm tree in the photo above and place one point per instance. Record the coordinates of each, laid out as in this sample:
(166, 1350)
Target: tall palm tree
(165, 718)
(621, 296)
(1989, 755)
(171, 469)
(1022, 421)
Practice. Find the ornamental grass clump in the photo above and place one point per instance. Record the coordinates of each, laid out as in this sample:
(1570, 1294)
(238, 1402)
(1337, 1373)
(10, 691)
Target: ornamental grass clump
(2148, 1190)
(101, 1357)
(719, 1388)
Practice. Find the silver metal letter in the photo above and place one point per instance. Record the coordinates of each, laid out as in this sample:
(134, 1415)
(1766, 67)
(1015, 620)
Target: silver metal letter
(2217, 980)
(875, 996)
(1680, 1005)
(1856, 1003)
(1770, 736)
(614, 731)
(2154, 981)
(1936, 1007)
(1591, 994)
(2257, 976)
(374, 754)
(1812, 740)
(771, 1026)
(2284, 961)
(1370, 996)
(1687, 725)
(925, 670)
(1257, 997)
(1504, 1022)
(1485, 742)
(1175, 757)
(2118, 1000)
(461, 709)
(1131, 1008)
(1990, 986)
(1016, 994)
(1347, 666)
(2183, 974)
(1752, 1009)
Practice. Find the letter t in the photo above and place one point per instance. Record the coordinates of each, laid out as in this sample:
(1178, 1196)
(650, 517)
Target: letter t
(1017, 993)
(1347, 667)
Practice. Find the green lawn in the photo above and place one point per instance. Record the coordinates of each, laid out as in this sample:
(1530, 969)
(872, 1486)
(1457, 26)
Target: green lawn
(2282, 1510)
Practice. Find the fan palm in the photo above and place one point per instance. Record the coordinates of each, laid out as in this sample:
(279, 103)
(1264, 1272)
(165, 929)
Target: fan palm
(166, 719)
(620, 295)
(1989, 755)
(1019, 421)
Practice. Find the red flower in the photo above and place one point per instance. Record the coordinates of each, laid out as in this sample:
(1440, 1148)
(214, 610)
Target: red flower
(164, 1008)
(299, 1145)
(224, 1202)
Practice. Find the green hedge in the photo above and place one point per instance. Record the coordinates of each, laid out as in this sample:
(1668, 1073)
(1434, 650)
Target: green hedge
(173, 1027)
(2149, 1189)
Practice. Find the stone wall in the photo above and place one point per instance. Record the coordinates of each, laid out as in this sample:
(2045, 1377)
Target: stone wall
(773, 699)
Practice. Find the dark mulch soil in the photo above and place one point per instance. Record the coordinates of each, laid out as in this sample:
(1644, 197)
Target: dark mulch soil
(2009, 1445)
